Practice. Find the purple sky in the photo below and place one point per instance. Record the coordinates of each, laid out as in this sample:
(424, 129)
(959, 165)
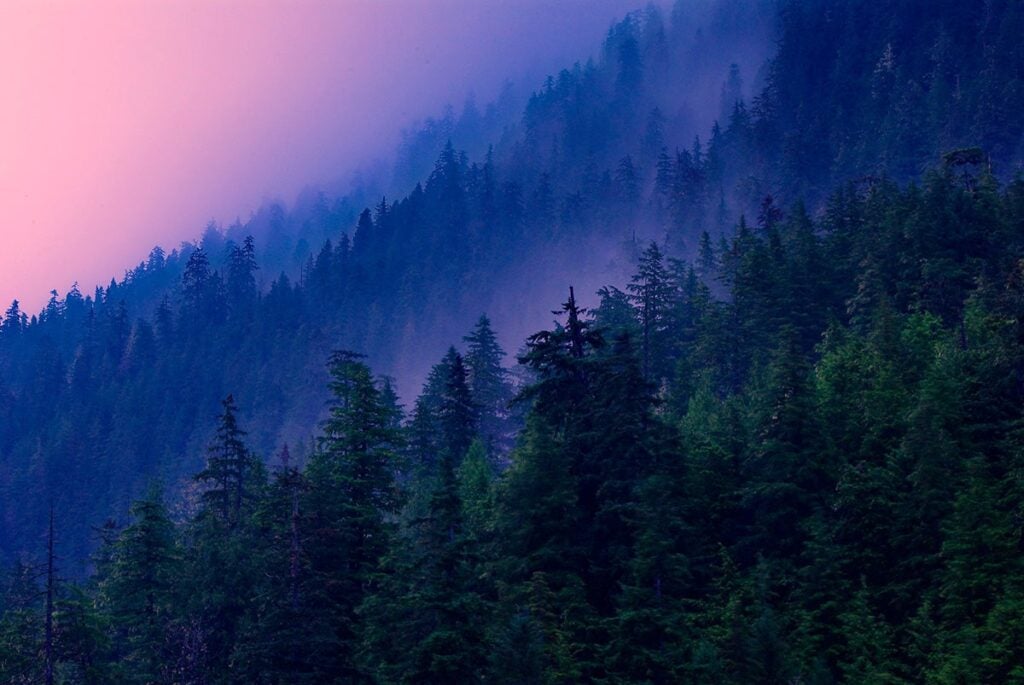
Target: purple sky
(126, 124)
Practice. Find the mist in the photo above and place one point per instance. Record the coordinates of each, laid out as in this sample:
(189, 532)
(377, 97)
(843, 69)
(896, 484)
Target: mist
(285, 126)
(133, 124)
(721, 49)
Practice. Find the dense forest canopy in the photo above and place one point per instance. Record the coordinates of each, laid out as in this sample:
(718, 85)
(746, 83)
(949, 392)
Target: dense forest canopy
(816, 478)
(772, 436)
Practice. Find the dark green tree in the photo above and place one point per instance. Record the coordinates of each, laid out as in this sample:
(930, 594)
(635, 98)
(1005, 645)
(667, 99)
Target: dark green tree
(353, 499)
(490, 386)
(140, 592)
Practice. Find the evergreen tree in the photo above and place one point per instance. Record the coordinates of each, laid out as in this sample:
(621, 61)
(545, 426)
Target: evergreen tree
(139, 594)
(353, 499)
(489, 386)
(286, 635)
(198, 284)
(229, 475)
(457, 412)
(21, 626)
(363, 237)
(652, 295)
(427, 621)
(241, 280)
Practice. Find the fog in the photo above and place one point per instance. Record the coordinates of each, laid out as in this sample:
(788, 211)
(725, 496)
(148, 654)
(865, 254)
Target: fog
(127, 125)
(130, 124)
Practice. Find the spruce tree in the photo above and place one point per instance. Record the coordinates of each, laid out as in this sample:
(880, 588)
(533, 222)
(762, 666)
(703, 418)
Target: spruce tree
(231, 470)
(651, 292)
(286, 635)
(427, 621)
(140, 592)
(457, 411)
(489, 386)
(353, 500)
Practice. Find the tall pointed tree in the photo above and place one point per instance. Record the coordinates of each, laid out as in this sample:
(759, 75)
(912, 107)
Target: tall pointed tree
(230, 469)
(651, 291)
(139, 594)
(353, 499)
(489, 386)
(457, 413)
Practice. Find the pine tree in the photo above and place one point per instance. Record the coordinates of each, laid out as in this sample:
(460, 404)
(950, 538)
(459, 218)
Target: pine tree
(82, 646)
(706, 259)
(425, 430)
(230, 471)
(429, 618)
(868, 654)
(542, 556)
(457, 411)
(140, 592)
(21, 626)
(241, 280)
(627, 181)
(222, 573)
(14, 320)
(353, 500)
(364, 234)
(198, 285)
(783, 472)
(476, 485)
(490, 386)
(615, 314)
(652, 295)
(286, 635)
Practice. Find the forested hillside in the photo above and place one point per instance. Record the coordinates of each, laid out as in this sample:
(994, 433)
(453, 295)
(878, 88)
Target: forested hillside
(110, 389)
(775, 439)
(814, 479)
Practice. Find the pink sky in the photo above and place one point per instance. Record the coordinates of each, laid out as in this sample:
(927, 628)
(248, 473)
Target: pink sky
(127, 123)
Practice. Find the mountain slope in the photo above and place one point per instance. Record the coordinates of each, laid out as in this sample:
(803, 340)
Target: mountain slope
(102, 393)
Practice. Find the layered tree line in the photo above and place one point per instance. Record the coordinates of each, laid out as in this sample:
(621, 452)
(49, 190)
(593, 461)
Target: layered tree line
(796, 458)
(103, 391)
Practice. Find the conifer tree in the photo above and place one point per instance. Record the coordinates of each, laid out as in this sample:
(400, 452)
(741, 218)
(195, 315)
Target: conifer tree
(363, 236)
(230, 472)
(457, 411)
(542, 555)
(428, 617)
(425, 430)
(241, 280)
(353, 500)
(651, 292)
(489, 386)
(784, 473)
(197, 284)
(222, 573)
(140, 593)
(21, 626)
(476, 486)
(286, 634)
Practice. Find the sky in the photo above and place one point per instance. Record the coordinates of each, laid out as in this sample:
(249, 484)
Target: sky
(130, 123)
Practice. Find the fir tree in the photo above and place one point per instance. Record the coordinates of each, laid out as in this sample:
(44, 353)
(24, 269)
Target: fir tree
(229, 474)
(651, 293)
(489, 385)
(353, 500)
(140, 591)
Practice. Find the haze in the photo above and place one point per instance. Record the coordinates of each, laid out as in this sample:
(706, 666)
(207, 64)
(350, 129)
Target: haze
(127, 124)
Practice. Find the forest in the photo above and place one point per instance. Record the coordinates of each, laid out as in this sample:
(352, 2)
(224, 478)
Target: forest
(817, 478)
(772, 433)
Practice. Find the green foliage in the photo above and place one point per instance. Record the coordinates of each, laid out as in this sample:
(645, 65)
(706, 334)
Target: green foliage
(798, 460)
(826, 489)
(140, 591)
